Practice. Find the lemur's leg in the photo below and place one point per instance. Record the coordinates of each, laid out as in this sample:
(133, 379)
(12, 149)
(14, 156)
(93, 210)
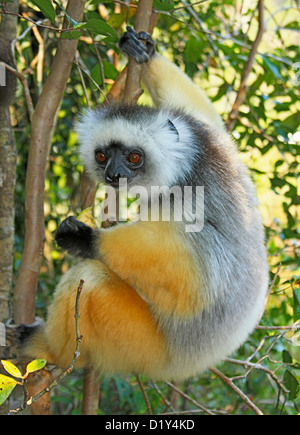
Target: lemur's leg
(166, 83)
(119, 331)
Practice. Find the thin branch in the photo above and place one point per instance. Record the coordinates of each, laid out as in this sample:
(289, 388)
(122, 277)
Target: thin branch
(29, 401)
(144, 395)
(260, 367)
(80, 64)
(279, 328)
(83, 85)
(38, 23)
(242, 92)
(132, 90)
(166, 401)
(239, 392)
(130, 5)
(79, 338)
(197, 404)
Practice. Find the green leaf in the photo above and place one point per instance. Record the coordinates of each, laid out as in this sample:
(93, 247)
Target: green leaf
(6, 387)
(296, 304)
(273, 67)
(286, 357)
(116, 20)
(11, 369)
(101, 28)
(163, 5)
(110, 72)
(46, 7)
(291, 384)
(292, 122)
(193, 50)
(36, 365)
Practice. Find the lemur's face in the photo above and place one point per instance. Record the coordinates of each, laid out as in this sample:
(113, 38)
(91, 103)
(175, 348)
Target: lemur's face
(117, 161)
(146, 146)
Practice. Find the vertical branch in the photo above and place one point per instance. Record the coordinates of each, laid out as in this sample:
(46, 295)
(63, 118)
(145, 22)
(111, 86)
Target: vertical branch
(241, 95)
(43, 122)
(91, 388)
(132, 90)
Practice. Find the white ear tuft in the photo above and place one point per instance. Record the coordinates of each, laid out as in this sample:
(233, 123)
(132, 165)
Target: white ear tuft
(172, 127)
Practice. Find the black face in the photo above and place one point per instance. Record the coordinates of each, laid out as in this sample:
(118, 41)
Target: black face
(118, 161)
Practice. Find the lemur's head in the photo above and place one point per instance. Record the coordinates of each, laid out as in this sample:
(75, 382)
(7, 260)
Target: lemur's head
(148, 147)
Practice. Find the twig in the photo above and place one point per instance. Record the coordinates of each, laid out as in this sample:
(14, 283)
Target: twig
(279, 328)
(132, 90)
(258, 366)
(76, 353)
(241, 95)
(57, 381)
(166, 401)
(38, 23)
(239, 392)
(144, 395)
(269, 292)
(80, 64)
(130, 5)
(197, 19)
(197, 404)
(83, 83)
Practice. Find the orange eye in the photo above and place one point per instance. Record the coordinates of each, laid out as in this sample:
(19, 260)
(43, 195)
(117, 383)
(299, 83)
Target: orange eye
(134, 158)
(100, 157)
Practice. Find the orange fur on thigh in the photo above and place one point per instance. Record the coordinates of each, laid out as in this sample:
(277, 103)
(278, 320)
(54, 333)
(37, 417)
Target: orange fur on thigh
(118, 329)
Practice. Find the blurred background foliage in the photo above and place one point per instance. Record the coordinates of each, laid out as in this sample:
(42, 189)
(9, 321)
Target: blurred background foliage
(211, 43)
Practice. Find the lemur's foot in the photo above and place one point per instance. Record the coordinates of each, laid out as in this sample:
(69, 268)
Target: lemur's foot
(16, 335)
(140, 46)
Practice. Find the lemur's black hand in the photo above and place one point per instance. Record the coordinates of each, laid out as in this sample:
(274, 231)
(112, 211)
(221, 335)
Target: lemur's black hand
(77, 238)
(140, 46)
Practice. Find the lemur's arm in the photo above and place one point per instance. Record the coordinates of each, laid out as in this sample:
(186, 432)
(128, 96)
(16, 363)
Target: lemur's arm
(166, 83)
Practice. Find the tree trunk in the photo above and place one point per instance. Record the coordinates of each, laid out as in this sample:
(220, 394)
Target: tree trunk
(7, 186)
(8, 30)
(43, 123)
